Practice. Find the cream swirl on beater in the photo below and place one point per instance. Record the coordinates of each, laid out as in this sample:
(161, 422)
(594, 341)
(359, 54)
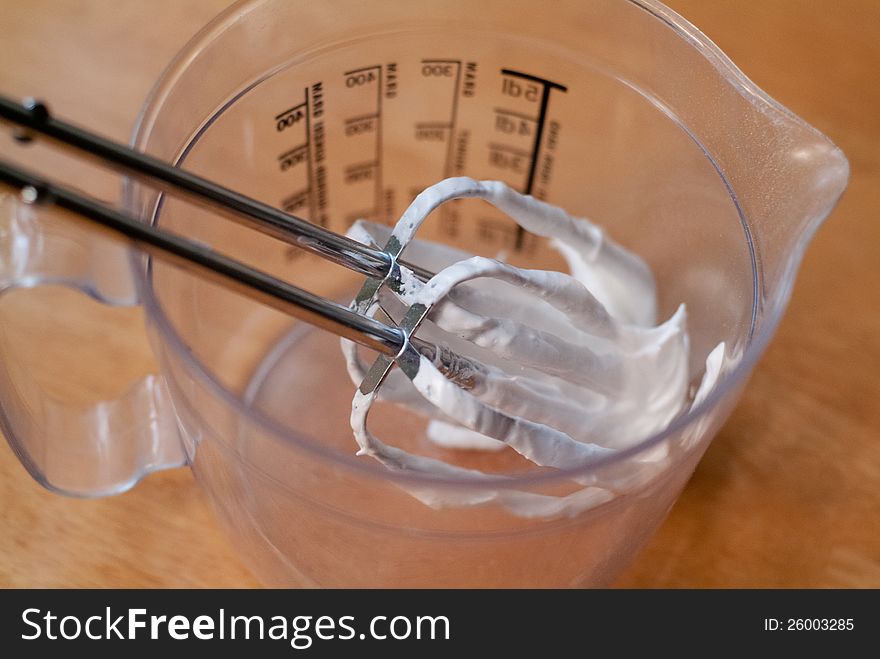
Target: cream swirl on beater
(573, 366)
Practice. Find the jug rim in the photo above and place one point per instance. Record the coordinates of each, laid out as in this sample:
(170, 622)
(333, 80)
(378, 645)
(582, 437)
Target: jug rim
(727, 382)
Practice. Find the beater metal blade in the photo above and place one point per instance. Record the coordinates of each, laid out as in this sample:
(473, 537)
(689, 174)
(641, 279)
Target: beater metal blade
(33, 120)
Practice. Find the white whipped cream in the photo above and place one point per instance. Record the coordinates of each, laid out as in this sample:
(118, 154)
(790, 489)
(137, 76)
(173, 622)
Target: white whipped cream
(573, 366)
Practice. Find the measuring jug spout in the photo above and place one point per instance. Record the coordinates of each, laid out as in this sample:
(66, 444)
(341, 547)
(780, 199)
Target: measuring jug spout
(819, 172)
(79, 450)
(785, 190)
(830, 173)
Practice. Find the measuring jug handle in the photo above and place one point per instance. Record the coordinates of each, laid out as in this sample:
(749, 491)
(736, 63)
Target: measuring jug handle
(88, 451)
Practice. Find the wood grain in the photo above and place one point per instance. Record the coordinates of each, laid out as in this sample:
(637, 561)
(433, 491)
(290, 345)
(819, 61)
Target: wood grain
(787, 495)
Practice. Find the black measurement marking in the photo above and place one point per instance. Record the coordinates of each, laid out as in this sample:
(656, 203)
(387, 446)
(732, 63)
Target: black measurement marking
(366, 123)
(388, 204)
(363, 117)
(295, 201)
(435, 71)
(518, 115)
(510, 125)
(510, 149)
(318, 184)
(527, 76)
(290, 110)
(300, 154)
(434, 131)
(293, 157)
(361, 70)
(292, 151)
(290, 117)
(469, 84)
(362, 126)
(362, 165)
(546, 87)
(313, 215)
(461, 151)
(379, 195)
(391, 80)
(447, 170)
(440, 130)
(362, 171)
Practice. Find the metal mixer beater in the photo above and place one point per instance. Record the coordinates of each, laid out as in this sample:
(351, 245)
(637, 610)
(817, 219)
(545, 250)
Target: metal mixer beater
(564, 369)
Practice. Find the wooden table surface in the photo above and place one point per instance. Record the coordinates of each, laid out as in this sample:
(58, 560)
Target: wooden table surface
(787, 495)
